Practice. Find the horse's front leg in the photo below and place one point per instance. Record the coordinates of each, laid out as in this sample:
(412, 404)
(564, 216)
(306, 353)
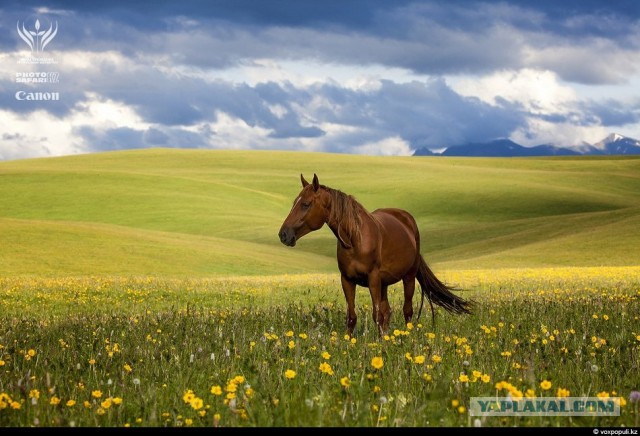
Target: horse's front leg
(380, 302)
(349, 289)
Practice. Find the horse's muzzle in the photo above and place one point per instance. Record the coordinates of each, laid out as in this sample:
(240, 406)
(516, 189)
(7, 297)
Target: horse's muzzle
(287, 236)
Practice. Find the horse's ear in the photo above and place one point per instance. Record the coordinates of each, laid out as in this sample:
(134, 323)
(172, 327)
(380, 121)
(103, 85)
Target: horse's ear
(304, 182)
(316, 184)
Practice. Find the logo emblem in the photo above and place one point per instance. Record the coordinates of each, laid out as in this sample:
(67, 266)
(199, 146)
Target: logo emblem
(37, 39)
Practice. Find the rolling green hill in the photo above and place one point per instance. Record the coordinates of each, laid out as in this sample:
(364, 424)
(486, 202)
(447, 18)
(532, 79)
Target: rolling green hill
(196, 213)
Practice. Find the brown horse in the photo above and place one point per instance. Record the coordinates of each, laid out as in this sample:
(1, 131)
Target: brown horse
(375, 250)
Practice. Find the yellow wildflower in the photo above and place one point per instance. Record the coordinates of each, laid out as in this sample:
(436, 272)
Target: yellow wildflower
(188, 396)
(216, 390)
(377, 362)
(196, 403)
(326, 368)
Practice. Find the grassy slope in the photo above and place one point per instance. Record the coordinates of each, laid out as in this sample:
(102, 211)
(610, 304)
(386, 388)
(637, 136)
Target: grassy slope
(202, 212)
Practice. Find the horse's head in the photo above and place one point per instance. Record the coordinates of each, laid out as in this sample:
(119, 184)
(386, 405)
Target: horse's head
(309, 213)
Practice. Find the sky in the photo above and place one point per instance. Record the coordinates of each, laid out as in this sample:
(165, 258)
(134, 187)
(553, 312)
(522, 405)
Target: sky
(341, 76)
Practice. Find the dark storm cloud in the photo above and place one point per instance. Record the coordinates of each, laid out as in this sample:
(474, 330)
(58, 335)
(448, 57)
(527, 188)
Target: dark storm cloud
(430, 37)
(607, 112)
(123, 138)
(612, 113)
(120, 138)
(155, 137)
(353, 14)
(423, 114)
(170, 100)
(153, 15)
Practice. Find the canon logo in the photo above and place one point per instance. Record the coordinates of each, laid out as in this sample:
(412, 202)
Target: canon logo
(37, 96)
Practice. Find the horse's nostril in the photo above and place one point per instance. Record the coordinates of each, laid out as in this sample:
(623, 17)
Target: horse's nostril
(287, 237)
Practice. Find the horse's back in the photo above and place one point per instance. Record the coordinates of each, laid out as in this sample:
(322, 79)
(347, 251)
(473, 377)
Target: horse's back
(390, 217)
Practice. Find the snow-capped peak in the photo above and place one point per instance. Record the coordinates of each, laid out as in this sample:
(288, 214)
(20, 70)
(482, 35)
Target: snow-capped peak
(613, 137)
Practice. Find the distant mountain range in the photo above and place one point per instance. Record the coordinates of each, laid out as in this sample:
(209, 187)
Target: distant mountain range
(613, 144)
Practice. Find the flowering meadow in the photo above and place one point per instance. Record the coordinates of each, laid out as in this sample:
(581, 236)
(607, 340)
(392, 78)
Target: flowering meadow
(271, 351)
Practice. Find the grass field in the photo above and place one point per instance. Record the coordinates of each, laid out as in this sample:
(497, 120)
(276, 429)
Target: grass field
(271, 351)
(197, 213)
(149, 288)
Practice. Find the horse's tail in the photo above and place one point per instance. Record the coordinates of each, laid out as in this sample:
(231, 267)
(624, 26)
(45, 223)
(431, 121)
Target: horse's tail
(439, 293)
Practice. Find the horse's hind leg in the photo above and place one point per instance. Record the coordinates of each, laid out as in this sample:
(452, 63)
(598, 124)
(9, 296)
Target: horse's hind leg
(409, 284)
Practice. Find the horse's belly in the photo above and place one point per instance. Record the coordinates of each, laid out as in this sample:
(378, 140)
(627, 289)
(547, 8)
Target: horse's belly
(391, 269)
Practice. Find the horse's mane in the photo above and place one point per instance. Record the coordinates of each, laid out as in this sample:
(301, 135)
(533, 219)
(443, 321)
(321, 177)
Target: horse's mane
(347, 211)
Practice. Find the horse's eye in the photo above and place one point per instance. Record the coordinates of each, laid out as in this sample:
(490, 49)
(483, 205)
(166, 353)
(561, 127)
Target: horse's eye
(306, 205)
